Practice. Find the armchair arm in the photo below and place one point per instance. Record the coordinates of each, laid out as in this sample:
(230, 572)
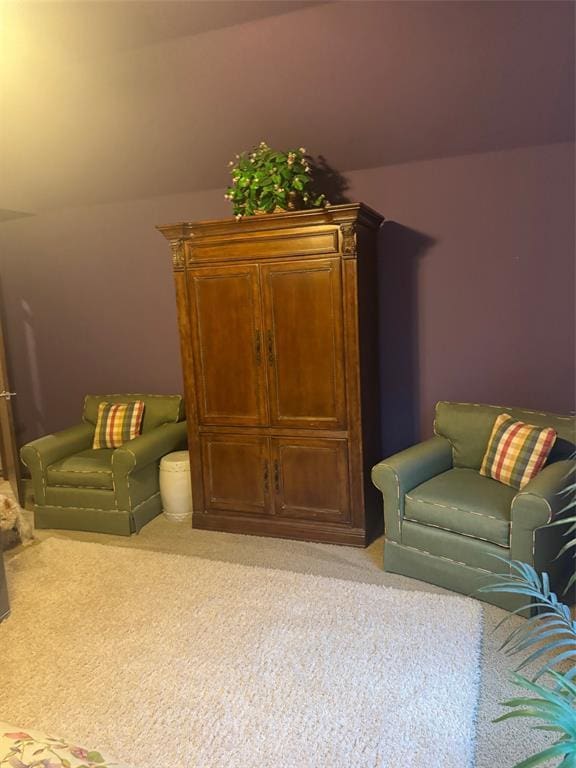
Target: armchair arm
(399, 474)
(145, 449)
(537, 504)
(39, 454)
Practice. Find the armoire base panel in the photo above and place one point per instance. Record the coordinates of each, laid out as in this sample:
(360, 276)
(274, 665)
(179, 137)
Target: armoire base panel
(280, 529)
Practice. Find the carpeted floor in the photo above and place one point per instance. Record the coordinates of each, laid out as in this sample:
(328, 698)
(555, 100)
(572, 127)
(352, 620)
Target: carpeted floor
(498, 746)
(172, 660)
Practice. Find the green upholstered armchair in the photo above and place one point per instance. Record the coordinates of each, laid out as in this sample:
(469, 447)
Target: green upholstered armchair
(106, 490)
(444, 521)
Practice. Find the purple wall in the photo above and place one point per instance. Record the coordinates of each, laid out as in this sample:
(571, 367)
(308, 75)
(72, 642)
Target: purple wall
(477, 291)
(490, 282)
(88, 305)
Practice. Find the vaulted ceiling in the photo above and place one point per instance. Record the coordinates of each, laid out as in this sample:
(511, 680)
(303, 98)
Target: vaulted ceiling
(106, 101)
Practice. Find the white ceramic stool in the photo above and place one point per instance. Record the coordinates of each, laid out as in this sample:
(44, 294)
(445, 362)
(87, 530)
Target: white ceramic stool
(175, 485)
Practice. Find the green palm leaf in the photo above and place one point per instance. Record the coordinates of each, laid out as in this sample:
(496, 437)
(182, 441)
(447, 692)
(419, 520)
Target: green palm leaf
(548, 754)
(556, 708)
(570, 492)
(550, 634)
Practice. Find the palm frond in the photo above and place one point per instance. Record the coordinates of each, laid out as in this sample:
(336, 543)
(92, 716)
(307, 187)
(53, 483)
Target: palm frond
(551, 632)
(569, 491)
(556, 709)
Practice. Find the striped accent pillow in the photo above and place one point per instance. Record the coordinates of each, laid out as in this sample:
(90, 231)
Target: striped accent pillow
(117, 423)
(516, 451)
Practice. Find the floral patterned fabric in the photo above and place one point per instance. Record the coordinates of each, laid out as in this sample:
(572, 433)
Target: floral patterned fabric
(32, 749)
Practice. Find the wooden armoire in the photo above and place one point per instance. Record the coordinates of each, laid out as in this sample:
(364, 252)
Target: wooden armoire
(278, 323)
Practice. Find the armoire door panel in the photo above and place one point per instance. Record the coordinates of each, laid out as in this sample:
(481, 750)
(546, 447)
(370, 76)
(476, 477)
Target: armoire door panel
(304, 343)
(236, 473)
(228, 349)
(310, 479)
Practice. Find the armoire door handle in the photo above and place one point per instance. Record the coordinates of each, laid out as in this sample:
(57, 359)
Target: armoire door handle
(270, 347)
(258, 347)
(266, 483)
(276, 477)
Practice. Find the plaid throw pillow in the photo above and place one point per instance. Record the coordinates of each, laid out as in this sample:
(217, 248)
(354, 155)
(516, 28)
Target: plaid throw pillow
(117, 423)
(516, 451)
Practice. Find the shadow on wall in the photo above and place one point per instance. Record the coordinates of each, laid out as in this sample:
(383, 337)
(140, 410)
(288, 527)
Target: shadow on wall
(20, 386)
(29, 388)
(328, 181)
(33, 369)
(399, 252)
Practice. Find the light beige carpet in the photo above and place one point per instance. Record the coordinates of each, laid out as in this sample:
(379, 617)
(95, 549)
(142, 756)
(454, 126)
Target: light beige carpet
(185, 662)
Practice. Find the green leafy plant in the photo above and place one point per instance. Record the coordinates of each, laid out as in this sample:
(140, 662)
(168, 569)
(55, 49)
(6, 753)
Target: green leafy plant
(548, 636)
(264, 180)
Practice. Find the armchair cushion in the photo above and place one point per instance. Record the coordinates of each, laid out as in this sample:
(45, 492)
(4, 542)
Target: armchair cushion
(158, 409)
(516, 451)
(468, 427)
(87, 469)
(462, 501)
(117, 423)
